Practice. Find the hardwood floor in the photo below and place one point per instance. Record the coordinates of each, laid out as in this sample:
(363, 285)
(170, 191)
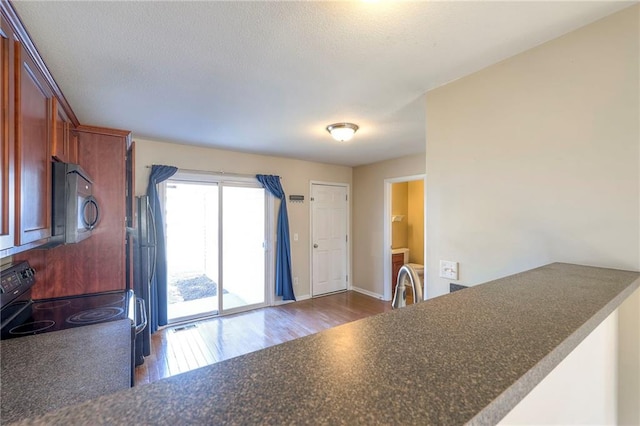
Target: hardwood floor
(184, 347)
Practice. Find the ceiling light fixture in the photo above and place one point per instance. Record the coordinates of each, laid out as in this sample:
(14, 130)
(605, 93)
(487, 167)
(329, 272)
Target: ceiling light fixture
(342, 132)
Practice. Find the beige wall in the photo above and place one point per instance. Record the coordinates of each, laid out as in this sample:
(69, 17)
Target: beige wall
(536, 159)
(368, 216)
(296, 175)
(415, 221)
(399, 206)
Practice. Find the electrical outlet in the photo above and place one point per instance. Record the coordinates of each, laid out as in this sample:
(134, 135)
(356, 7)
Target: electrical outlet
(295, 236)
(295, 281)
(449, 269)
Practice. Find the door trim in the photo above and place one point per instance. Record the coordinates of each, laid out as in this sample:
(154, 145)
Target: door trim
(348, 214)
(386, 244)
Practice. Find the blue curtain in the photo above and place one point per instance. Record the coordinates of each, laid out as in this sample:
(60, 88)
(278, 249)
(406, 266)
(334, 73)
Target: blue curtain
(158, 294)
(284, 283)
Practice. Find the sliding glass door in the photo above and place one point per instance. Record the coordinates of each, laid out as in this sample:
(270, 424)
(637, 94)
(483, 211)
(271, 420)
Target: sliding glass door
(191, 212)
(243, 246)
(216, 239)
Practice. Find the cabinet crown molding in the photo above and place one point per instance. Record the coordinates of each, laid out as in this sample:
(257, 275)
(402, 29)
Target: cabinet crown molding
(22, 35)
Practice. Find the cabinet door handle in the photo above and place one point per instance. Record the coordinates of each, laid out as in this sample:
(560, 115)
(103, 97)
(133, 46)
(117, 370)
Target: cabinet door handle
(315, 246)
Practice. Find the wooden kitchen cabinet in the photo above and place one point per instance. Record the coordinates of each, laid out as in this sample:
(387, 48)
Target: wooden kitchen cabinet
(33, 164)
(102, 153)
(73, 145)
(38, 126)
(64, 142)
(96, 264)
(7, 133)
(32, 107)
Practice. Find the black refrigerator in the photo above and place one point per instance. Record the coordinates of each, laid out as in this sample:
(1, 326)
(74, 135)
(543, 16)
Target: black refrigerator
(144, 265)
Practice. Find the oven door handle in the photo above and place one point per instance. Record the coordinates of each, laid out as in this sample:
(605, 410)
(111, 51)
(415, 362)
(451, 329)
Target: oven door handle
(143, 314)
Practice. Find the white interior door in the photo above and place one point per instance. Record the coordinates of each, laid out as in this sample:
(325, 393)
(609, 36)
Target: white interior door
(329, 238)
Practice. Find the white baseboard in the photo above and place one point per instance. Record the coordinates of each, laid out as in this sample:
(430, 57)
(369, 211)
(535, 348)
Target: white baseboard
(367, 292)
(308, 296)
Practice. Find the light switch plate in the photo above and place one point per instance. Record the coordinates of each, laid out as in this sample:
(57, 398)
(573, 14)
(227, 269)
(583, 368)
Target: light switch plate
(449, 269)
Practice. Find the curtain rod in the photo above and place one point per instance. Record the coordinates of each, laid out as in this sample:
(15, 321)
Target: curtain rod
(219, 172)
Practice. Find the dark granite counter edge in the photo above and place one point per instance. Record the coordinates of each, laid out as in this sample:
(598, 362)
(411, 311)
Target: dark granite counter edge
(503, 404)
(467, 325)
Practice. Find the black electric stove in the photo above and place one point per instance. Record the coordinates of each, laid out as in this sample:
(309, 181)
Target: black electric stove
(44, 316)
(21, 316)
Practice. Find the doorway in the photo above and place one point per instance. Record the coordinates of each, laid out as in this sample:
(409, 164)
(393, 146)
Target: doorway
(216, 239)
(404, 227)
(329, 237)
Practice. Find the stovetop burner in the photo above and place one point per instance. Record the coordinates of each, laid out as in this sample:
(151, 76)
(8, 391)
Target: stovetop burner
(91, 316)
(33, 327)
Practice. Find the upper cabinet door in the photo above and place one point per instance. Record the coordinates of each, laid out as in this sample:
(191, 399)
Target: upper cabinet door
(61, 148)
(72, 153)
(7, 141)
(33, 159)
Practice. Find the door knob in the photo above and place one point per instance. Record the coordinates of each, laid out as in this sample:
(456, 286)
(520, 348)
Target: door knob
(315, 246)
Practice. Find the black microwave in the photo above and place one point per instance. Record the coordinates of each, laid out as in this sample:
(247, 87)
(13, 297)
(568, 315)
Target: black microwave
(75, 211)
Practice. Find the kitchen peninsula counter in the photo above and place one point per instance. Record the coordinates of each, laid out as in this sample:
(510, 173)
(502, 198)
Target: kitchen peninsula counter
(48, 371)
(467, 357)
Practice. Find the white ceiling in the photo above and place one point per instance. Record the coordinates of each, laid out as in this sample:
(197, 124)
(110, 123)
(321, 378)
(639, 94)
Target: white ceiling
(268, 77)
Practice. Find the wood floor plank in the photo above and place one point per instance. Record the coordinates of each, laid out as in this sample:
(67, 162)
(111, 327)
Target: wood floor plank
(207, 355)
(220, 338)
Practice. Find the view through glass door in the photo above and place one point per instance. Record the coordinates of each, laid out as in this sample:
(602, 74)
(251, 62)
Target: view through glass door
(243, 237)
(215, 247)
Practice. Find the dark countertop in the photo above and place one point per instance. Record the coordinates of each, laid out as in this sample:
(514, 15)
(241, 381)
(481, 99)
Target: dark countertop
(48, 371)
(467, 357)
